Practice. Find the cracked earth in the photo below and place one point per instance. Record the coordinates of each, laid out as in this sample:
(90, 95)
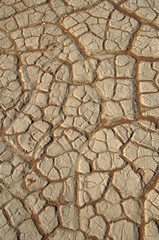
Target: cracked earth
(79, 111)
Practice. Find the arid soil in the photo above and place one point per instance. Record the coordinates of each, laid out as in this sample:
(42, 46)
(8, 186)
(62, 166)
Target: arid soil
(79, 118)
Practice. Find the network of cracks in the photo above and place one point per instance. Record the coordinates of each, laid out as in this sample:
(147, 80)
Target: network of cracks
(79, 111)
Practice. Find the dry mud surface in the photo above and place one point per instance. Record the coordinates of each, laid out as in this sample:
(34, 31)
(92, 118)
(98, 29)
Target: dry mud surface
(79, 111)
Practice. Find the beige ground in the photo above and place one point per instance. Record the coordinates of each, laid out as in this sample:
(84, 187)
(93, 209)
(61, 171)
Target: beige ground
(79, 111)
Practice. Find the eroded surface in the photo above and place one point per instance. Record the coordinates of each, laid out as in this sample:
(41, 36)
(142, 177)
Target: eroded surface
(79, 110)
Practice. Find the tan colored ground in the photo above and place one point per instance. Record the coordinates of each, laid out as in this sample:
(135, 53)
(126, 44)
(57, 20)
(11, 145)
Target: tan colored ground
(79, 111)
